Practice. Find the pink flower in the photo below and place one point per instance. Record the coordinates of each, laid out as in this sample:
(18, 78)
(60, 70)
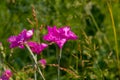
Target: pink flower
(20, 39)
(36, 47)
(43, 62)
(59, 36)
(6, 75)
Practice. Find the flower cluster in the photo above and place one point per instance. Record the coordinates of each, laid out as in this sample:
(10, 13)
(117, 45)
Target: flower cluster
(6, 75)
(59, 36)
(21, 39)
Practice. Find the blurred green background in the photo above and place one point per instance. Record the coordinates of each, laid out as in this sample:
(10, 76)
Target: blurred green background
(91, 57)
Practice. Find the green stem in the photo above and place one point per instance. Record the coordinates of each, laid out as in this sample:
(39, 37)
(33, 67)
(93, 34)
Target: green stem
(59, 57)
(115, 36)
(96, 25)
(35, 61)
(35, 74)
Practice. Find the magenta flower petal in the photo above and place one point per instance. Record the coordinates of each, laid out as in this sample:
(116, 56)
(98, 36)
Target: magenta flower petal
(13, 41)
(36, 47)
(52, 34)
(61, 42)
(12, 38)
(59, 36)
(29, 33)
(67, 33)
(6, 75)
(20, 39)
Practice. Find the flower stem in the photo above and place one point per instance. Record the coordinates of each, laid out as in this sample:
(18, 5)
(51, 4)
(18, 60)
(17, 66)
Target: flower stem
(59, 57)
(35, 74)
(115, 37)
(35, 61)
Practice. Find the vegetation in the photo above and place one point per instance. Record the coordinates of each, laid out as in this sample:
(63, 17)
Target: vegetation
(95, 55)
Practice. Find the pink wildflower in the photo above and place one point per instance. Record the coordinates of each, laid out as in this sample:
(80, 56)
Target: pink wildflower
(19, 40)
(42, 62)
(6, 75)
(59, 36)
(36, 47)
